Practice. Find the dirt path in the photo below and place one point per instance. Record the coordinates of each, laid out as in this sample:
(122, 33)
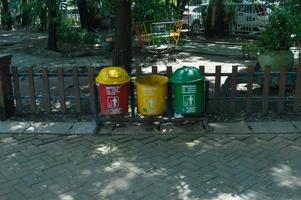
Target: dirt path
(27, 49)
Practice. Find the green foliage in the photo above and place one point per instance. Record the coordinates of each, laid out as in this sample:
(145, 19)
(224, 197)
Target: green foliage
(154, 10)
(280, 30)
(149, 10)
(250, 47)
(70, 33)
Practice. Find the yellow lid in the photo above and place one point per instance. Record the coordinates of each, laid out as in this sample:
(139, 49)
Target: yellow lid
(113, 76)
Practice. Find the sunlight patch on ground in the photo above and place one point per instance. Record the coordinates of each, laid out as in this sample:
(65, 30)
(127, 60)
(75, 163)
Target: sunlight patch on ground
(6, 35)
(66, 197)
(285, 177)
(18, 126)
(86, 172)
(193, 144)
(39, 37)
(105, 149)
(117, 184)
(183, 191)
(7, 140)
(227, 196)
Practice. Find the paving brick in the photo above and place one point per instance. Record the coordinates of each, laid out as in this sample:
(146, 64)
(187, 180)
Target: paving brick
(82, 128)
(297, 124)
(14, 195)
(149, 167)
(13, 127)
(196, 128)
(230, 128)
(272, 127)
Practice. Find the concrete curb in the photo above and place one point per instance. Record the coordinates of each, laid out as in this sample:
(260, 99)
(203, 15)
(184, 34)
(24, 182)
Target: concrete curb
(87, 128)
(256, 128)
(60, 128)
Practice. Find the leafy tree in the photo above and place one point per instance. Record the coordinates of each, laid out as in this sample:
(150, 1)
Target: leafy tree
(122, 53)
(53, 15)
(6, 17)
(214, 24)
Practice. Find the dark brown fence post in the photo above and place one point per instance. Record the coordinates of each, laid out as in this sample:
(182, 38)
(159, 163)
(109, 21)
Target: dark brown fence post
(217, 87)
(91, 77)
(138, 71)
(154, 70)
(282, 85)
(233, 88)
(202, 69)
(298, 91)
(6, 89)
(250, 88)
(46, 89)
(61, 88)
(266, 89)
(32, 90)
(76, 86)
(17, 92)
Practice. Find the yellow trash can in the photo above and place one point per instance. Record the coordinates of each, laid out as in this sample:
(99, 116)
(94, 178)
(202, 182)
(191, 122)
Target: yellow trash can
(151, 94)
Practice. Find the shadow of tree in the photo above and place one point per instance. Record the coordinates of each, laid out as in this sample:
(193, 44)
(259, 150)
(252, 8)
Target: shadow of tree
(150, 167)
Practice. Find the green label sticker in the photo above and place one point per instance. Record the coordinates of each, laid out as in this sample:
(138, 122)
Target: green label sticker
(188, 89)
(189, 100)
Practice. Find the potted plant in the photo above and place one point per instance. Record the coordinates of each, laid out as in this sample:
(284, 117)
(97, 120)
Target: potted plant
(276, 40)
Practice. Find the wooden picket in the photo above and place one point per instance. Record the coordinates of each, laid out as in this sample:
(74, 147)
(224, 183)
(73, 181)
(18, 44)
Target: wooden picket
(217, 88)
(266, 89)
(233, 88)
(31, 89)
(61, 88)
(282, 85)
(216, 102)
(16, 83)
(46, 90)
(154, 70)
(298, 91)
(91, 77)
(250, 88)
(76, 86)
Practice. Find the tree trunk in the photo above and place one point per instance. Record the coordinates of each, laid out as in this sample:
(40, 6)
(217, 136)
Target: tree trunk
(122, 53)
(53, 24)
(84, 14)
(6, 18)
(43, 19)
(25, 17)
(214, 24)
(181, 5)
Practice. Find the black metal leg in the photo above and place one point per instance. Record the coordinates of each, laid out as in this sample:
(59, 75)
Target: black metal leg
(97, 111)
(169, 100)
(132, 92)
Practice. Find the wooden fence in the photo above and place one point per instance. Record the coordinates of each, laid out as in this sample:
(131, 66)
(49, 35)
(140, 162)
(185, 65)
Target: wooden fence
(52, 97)
(287, 84)
(76, 96)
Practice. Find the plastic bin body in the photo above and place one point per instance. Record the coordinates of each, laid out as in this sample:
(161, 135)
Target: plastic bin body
(151, 94)
(113, 89)
(189, 91)
(114, 99)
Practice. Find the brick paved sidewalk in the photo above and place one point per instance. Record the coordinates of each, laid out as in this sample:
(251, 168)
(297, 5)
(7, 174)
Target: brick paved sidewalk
(212, 167)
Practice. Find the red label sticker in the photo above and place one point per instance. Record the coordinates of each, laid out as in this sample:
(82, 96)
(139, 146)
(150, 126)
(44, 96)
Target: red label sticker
(113, 102)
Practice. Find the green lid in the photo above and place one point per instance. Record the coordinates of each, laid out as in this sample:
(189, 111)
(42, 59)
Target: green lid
(187, 75)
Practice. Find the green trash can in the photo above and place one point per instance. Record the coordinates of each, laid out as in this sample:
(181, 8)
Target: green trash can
(189, 90)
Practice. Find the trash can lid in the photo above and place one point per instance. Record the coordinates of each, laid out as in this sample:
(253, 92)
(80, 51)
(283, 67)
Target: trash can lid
(187, 75)
(113, 76)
